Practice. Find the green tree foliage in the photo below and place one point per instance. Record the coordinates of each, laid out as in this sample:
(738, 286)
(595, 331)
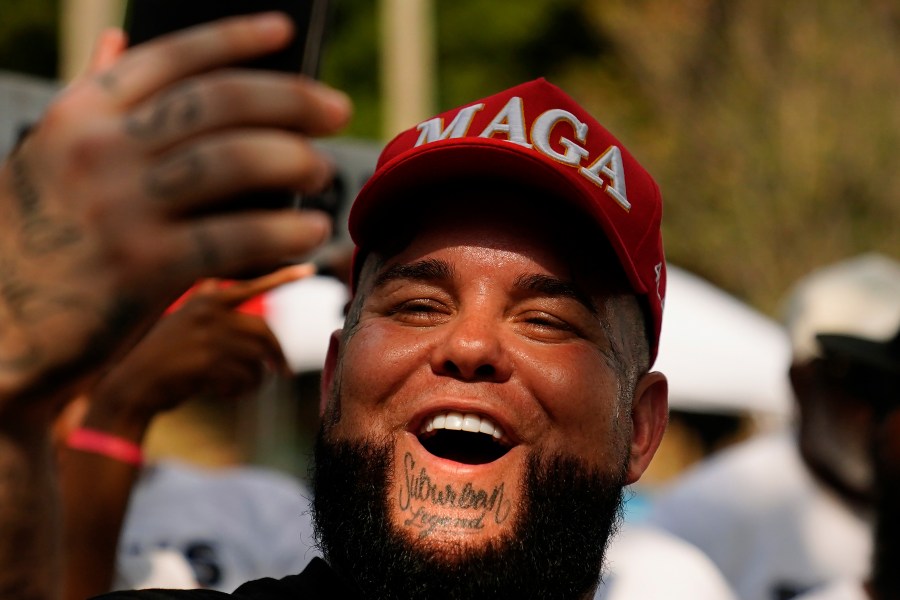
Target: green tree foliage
(482, 47)
(28, 37)
(771, 126)
(350, 62)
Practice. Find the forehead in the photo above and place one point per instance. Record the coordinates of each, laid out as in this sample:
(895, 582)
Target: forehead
(506, 220)
(500, 241)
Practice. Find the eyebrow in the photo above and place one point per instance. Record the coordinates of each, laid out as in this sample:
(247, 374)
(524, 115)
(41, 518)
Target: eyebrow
(437, 270)
(548, 285)
(423, 270)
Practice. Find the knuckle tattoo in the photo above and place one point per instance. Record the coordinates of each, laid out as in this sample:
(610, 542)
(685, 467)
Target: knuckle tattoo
(177, 109)
(107, 81)
(174, 176)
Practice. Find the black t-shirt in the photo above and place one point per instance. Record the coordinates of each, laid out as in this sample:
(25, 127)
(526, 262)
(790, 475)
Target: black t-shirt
(317, 581)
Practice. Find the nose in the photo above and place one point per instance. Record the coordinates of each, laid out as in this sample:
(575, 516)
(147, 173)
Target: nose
(472, 350)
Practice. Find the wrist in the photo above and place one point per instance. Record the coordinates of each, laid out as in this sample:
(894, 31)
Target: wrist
(118, 412)
(111, 446)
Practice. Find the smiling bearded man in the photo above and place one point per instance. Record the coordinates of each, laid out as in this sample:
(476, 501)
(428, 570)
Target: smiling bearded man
(490, 393)
(412, 505)
(489, 396)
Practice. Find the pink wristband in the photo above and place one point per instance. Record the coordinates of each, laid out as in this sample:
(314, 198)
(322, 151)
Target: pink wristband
(105, 444)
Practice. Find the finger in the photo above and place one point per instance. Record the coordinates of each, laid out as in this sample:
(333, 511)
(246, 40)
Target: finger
(228, 164)
(230, 244)
(205, 287)
(237, 98)
(241, 291)
(248, 338)
(109, 47)
(169, 58)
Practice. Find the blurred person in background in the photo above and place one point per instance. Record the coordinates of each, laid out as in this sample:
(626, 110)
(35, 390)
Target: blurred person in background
(680, 570)
(885, 580)
(783, 513)
(873, 369)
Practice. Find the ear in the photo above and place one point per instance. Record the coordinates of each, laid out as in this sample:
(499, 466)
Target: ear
(331, 360)
(649, 417)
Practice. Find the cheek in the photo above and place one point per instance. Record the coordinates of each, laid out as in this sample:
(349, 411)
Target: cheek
(579, 392)
(377, 362)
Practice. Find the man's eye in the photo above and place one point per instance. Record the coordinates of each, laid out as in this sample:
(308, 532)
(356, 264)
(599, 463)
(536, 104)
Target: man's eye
(417, 306)
(419, 311)
(549, 322)
(543, 325)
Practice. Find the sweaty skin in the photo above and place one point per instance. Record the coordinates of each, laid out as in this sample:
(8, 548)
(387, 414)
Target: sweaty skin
(484, 314)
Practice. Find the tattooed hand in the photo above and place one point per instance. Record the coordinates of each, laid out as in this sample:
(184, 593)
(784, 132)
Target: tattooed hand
(115, 203)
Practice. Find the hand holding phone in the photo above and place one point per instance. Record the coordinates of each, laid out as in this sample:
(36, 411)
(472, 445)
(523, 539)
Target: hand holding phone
(148, 19)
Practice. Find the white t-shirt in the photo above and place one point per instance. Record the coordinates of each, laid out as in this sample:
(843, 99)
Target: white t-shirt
(227, 525)
(646, 563)
(772, 529)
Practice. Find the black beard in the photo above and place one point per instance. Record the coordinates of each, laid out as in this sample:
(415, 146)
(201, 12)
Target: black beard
(555, 550)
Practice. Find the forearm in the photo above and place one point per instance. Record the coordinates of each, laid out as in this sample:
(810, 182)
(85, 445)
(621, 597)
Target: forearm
(29, 529)
(96, 489)
(37, 372)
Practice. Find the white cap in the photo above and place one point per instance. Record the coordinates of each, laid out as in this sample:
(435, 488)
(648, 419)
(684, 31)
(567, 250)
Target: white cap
(302, 315)
(858, 297)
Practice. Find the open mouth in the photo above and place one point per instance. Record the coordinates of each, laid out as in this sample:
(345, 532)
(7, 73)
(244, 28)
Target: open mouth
(463, 437)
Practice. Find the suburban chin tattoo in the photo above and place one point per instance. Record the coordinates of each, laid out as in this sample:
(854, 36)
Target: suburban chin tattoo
(431, 505)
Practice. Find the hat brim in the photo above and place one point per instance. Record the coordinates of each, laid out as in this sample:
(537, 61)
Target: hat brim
(883, 356)
(478, 158)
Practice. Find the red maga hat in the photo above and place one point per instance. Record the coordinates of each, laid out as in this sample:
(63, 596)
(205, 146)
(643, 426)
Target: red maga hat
(533, 134)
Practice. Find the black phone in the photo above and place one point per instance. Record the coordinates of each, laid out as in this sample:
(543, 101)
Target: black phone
(148, 19)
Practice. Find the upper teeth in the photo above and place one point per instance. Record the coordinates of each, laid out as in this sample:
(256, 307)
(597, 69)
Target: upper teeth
(462, 422)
